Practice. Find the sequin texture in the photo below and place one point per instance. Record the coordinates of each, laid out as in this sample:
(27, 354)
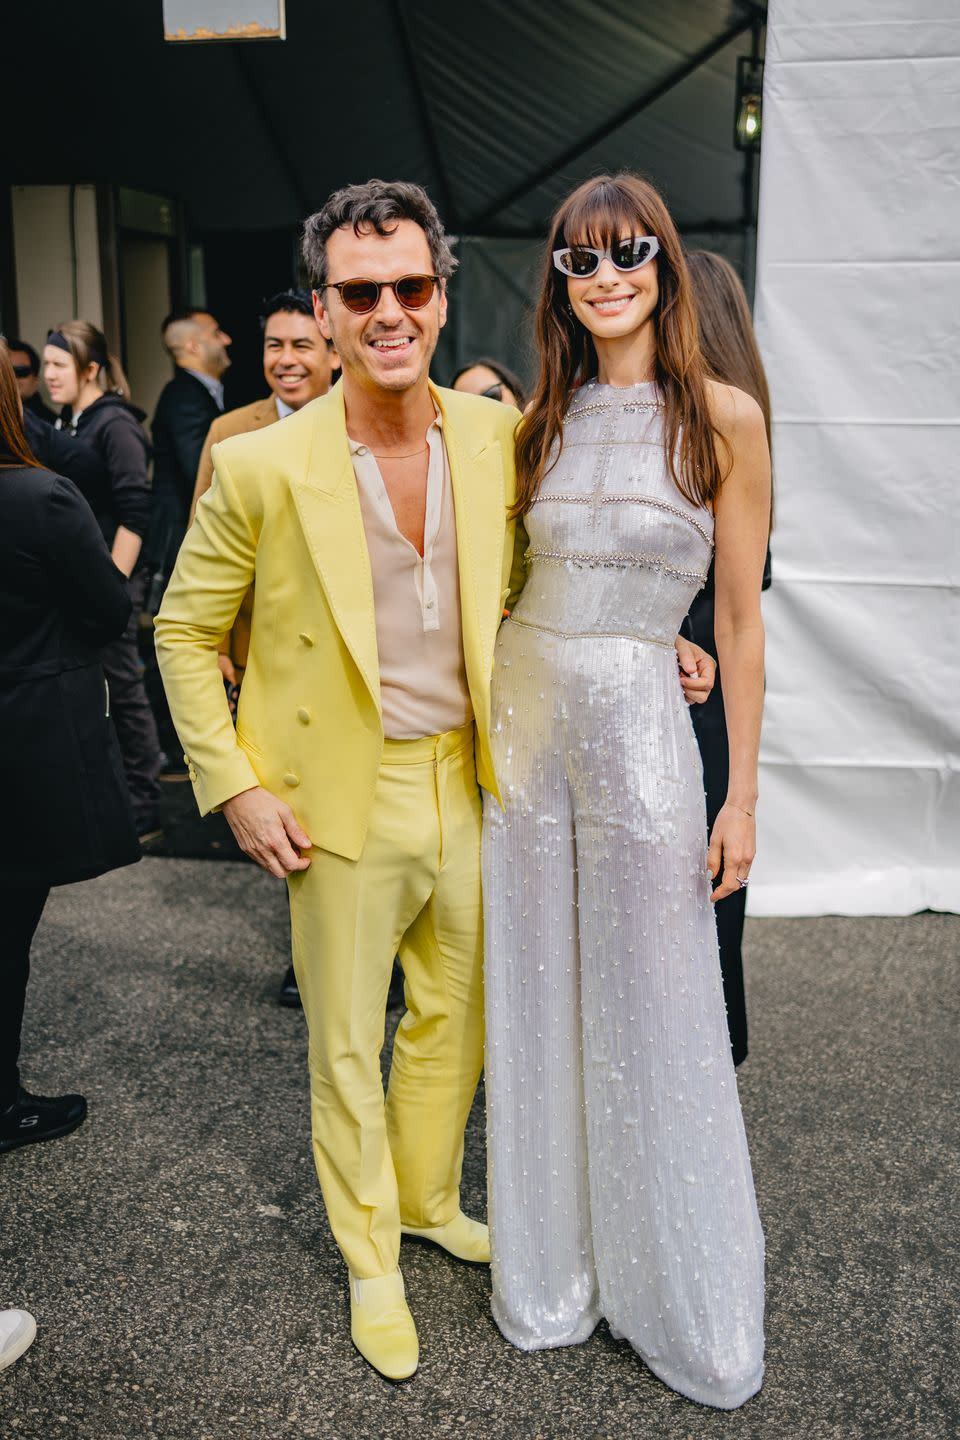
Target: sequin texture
(619, 1177)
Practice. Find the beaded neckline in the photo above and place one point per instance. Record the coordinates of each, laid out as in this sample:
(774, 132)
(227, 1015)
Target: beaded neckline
(596, 384)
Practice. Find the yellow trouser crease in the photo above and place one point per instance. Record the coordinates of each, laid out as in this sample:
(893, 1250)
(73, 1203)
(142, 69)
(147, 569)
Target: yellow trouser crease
(415, 891)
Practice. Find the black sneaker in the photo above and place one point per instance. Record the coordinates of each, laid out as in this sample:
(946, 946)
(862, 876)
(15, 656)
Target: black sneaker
(39, 1117)
(289, 993)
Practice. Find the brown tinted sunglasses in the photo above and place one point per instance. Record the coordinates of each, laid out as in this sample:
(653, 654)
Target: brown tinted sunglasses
(362, 296)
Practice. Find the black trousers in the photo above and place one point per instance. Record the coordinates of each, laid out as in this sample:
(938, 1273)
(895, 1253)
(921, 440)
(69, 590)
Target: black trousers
(711, 731)
(20, 911)
(132, 715)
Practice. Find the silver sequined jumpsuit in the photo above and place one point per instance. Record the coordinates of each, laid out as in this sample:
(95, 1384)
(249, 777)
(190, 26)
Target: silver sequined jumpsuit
(620, 1183)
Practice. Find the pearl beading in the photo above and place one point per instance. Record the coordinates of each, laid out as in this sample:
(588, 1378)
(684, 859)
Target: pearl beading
(592, 634)
(606, 499)
(618, 560)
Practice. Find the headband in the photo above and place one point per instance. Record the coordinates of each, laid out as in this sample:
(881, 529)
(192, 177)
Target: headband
(95, 350)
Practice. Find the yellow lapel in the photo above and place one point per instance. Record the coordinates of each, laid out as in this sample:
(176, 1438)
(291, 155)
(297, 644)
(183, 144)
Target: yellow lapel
(476, 473)
(329, 509)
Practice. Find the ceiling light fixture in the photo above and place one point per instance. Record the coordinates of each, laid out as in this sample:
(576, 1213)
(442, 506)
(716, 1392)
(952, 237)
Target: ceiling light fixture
(749, 111)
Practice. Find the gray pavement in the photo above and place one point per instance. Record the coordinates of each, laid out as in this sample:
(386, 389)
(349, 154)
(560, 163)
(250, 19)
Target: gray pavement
(175, 1252)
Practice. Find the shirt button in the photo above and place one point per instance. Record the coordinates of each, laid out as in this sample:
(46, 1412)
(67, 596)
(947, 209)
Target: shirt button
(430, 604)
(303, 715)
(361, 449)
(292, 780)
(307, 639)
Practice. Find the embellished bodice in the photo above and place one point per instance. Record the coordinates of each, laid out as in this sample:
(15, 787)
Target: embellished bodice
(614, 546)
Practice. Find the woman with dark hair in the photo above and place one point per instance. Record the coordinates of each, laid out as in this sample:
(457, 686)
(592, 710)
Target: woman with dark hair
(730, 353)
(90, 386)
(66, 811)
(492, 379)
(620, 1182)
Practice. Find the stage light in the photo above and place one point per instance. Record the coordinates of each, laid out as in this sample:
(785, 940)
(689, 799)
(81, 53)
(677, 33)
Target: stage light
(749, 111)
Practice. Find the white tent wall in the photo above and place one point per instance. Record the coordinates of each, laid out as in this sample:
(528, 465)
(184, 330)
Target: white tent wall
(858, 317)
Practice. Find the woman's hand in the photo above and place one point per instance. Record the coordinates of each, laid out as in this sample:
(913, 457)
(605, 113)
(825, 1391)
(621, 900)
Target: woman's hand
(733, 844)
(698, 671)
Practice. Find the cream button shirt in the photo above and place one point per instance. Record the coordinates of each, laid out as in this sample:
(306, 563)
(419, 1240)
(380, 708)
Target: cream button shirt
(423, 680)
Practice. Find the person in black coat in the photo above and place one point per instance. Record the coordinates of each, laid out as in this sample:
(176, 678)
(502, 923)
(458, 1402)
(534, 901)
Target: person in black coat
(88, 382)
(67, 813)
(188, 406)
(730, 350)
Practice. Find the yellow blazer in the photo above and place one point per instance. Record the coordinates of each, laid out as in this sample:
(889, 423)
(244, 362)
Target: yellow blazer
(234, 422)
(284, 510)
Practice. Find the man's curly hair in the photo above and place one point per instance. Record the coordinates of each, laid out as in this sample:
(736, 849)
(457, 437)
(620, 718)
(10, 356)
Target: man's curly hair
(379, 204)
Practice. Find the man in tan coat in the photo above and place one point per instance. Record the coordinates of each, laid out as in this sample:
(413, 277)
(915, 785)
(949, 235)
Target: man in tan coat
(298, 365)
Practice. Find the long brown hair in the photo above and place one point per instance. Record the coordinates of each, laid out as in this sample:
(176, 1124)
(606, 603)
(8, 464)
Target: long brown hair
(86, 343)
(597, 213)
(727, 339)
(14, 449)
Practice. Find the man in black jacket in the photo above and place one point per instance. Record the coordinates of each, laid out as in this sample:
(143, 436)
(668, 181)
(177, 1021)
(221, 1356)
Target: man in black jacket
(188, 405)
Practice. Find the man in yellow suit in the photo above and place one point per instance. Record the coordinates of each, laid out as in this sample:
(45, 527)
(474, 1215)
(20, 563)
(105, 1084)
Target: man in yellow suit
(374, 525)
(374, 522)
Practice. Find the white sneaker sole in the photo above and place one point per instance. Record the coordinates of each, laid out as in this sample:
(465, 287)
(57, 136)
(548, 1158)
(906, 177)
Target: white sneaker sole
(20, 1345)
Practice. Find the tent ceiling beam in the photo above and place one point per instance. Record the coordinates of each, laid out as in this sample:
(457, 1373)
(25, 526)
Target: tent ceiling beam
(477, 223)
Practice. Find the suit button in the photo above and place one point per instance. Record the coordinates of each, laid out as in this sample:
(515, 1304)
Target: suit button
(303, 715)
(292, 780)
(307, 639)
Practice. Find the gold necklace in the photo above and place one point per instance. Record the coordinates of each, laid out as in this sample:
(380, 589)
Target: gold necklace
(399, 457)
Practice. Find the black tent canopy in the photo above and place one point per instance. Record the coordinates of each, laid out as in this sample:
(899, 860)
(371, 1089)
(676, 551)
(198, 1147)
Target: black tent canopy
(496, 107)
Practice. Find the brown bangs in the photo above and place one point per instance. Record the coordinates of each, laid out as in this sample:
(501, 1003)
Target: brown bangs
(600, 216)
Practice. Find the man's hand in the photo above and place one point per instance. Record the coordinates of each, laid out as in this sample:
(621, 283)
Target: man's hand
(226, 669)
(698, 671)
(266, 829)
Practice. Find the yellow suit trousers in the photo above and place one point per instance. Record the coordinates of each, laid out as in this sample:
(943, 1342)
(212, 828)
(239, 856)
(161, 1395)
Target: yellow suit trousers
(414, 891)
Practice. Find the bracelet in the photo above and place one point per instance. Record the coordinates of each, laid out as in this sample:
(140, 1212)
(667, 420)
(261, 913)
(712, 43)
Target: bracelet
(741, 809)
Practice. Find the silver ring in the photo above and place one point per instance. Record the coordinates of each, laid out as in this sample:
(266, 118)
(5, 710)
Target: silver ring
(743, 883)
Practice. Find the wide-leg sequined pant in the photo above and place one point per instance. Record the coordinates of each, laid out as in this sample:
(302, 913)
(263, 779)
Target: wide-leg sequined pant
(619, 1178)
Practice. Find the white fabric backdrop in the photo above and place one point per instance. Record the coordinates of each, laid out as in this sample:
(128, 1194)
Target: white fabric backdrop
(858, 317)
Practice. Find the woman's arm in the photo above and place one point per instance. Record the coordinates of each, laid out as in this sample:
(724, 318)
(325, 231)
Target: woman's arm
(126, 450)
(742, 525)
(90, 590)
(126, 549)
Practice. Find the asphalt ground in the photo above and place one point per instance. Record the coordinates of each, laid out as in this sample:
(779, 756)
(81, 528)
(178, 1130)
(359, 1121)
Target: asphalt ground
(175, 1252)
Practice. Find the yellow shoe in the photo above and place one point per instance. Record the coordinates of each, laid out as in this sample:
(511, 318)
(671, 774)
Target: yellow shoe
(382, 1327)
(463, 1237)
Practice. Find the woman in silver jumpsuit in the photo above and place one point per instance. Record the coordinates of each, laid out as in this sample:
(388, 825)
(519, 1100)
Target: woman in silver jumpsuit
(620, 1182)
